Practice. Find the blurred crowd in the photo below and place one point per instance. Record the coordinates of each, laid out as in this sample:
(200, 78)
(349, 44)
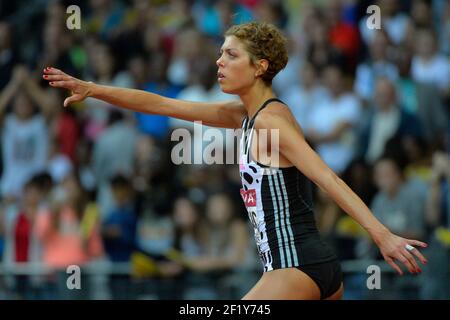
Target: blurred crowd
(94, 185)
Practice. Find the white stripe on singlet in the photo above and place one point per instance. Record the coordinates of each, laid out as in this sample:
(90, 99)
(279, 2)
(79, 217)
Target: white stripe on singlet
(277, 223)
(288, 222)
(282, 214)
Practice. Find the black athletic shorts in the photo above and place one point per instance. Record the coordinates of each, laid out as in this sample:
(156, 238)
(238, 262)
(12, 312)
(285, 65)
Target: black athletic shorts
(327, 276)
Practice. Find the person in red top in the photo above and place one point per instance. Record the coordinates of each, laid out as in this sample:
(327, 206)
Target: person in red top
(23, 234)
(342, 35)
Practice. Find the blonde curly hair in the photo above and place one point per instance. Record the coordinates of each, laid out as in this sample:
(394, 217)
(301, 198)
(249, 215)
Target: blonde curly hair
(263, 41)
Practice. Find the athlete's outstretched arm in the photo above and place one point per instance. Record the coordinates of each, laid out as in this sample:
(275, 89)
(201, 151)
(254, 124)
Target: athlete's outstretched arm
(222, 114)
(293, 146)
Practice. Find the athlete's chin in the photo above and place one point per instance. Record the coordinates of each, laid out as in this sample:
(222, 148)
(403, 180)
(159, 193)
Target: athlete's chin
(225, 89)
(228, 89)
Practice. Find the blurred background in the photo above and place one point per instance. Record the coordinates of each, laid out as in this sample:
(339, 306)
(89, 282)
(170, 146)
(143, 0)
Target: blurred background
(94, 186)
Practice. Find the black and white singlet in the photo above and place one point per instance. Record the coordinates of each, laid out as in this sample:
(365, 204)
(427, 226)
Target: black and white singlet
(280, 207)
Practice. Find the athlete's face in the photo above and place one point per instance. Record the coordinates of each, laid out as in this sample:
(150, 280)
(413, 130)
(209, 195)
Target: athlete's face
(236, 71)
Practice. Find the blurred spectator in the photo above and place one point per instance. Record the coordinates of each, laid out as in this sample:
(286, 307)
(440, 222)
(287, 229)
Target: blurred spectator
(24, 136)
(128, 38)
(174, 15)
(418, 157)
(188, 46)
(387, 120)
(348, 235)
(271, 11)
(343, 36)
(189, 231)
(421, 18)
(113, 154)
(304, 16)
(22, 244)
(327, 213)
(97, 113)
(227, 236)
(378, 64)
(84, 167)
(398, 204)
(420, 99)
(55, 45)
(119, 233)
(70, 236)
(227, 249)
(288, 78)
(436, 273)
(333, 122)
(155, 234)
(137, 72)
(154, 125)
(436, 285)
(148, 164)
(65, 238)
(438, 204)
(443, 16)
(119, 227)
(214, 17)
(358, 176)
(190, 243)
(319, 52)
(66, 128)
(59, 165)
(8, 58)
(104, 18)
(393, 21)
(304, 98)
(45, 184)
(428, 65)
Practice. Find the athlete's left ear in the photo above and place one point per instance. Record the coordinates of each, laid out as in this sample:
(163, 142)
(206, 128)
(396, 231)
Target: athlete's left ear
(261, 67)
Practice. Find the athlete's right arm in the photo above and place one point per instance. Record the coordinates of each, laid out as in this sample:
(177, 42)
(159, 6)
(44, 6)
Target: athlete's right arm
(221, 114)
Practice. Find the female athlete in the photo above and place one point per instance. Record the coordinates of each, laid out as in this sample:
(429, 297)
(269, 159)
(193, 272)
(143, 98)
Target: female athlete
(277, 194)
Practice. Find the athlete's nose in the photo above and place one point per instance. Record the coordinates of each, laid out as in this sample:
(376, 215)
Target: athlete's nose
(219, 62)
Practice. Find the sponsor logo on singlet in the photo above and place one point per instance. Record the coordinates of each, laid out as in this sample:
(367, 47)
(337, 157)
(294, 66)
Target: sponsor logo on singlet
(249, 197)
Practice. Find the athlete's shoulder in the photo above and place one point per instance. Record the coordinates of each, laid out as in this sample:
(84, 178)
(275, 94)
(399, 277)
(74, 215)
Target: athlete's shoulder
(275, 115)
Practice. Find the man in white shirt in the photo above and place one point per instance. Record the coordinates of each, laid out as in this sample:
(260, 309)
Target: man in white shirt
(387, 120)
(304, 98)
(332, 123)
(428, 66)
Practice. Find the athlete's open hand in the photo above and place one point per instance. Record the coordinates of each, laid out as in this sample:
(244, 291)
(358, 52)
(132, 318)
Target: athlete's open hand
(393, 248)
(58, 79)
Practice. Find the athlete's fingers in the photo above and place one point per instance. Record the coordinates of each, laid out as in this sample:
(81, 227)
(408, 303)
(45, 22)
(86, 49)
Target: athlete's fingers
(417, 243)
(412, 260)
(50, 70)
(400, 257)
(419, 255)
(57, 77)
(391, 262)
(61, 84)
